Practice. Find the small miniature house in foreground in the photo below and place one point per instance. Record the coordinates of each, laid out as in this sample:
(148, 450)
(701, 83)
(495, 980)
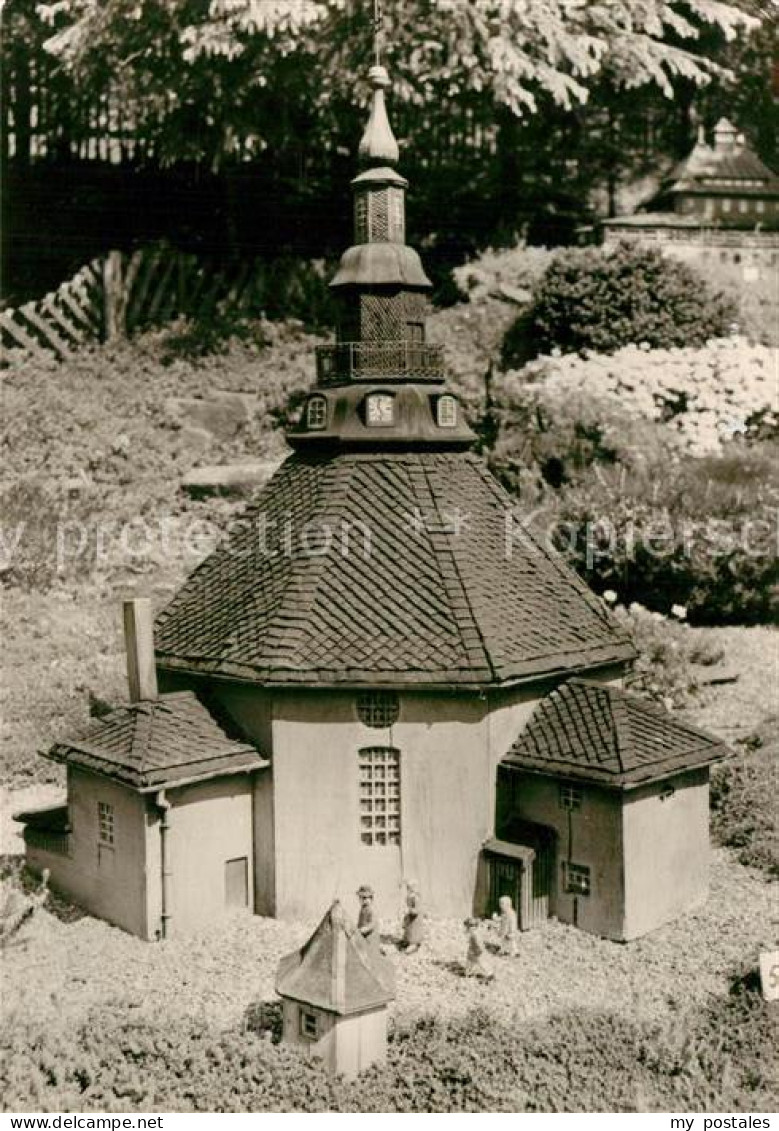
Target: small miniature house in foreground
(335, 991)
(377, 676)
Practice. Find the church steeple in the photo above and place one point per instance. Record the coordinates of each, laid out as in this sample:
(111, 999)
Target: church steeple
(382, 301)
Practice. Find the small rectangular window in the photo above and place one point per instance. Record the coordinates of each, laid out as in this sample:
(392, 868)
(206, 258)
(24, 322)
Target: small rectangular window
(105, 822)
(316, 413)
(309, 1025)
(760, 205)
(570, 797)
(446, 412)
(726, 204)
(577, 879)
(743, 206)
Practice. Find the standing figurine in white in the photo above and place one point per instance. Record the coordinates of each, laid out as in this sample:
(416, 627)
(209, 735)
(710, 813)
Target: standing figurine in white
(413, 920)
(476, 963)
(368, 920)
(507, 927)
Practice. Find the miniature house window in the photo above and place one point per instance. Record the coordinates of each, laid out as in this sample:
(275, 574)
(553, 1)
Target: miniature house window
(361, 218)
(309, 1025)
(379, 795)
(726, 204)
(380, 410)
(760, 205)
(316, 413)
(570, 797)
(577, 879)
(378, 708)
(446, 412)
(105, 822)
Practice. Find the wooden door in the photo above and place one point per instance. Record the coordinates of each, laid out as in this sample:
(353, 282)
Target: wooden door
(237, 882)
(505, 879)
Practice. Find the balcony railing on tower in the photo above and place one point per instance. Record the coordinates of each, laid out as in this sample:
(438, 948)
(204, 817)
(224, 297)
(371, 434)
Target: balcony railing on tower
(363, 361)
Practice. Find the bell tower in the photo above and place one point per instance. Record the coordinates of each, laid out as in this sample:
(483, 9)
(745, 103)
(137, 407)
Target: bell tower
(381, 384)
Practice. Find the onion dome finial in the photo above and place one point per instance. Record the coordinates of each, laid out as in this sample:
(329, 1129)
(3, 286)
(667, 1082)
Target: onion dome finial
(378, 145)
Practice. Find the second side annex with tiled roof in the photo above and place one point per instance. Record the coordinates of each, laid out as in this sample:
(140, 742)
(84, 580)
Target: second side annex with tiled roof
(600, 733)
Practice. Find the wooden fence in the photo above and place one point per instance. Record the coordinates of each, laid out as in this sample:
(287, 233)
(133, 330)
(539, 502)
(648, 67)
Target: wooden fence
(120, 294)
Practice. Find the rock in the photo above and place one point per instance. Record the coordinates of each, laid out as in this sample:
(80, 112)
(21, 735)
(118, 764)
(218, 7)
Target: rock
(228, 479)
(222, 414)
(512, 294)
(726, 675)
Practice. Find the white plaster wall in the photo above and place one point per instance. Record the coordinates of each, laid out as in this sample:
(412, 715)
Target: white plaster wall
(591, 836)
(209, 824)
(666, 845)
(109, 883)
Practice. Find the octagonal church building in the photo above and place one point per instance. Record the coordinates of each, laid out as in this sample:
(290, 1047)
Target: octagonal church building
(396, 680)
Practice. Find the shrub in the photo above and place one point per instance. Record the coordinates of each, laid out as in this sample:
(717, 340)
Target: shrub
(699, 533)
(714, 1058)
(608, 298)
(705, 396)
(743, 813)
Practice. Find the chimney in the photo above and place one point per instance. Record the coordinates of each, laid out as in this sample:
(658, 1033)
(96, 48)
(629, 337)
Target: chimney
(139, 645)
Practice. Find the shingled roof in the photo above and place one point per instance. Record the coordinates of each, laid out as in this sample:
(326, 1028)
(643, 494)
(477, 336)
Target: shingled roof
(336, 970)
(157, 743)
(729, 166)
(600, 733)
(385, 568)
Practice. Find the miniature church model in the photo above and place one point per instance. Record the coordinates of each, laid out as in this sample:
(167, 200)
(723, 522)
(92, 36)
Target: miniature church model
(335, 991)
(386, 676)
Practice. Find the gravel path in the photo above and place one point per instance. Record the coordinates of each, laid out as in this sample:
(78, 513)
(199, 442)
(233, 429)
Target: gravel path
(69, 968)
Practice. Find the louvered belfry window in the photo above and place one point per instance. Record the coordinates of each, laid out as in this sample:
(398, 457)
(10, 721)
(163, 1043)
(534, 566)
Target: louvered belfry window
(379, 795)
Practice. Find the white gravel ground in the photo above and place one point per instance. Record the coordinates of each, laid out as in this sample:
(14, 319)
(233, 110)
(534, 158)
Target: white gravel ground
(69, 968)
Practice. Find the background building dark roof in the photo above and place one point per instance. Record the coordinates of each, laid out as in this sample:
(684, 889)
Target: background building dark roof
(729, 167)
(385, 568)
(336, 970)
(600, 733)
(157, 743)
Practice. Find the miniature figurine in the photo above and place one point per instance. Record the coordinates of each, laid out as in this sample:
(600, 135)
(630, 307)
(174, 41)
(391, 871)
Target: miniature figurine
(475, 960)
(367, 920)
(413, 920)
(507, 926)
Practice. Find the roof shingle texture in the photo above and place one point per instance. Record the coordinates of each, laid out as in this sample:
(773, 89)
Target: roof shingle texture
(600, 733)
(157, 743)
(384, 568)
(336, 970)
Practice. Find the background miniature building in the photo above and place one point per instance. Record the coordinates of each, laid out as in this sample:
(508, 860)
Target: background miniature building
(335, 991)
(720, 186)
(726, 182)
(157, 835)
(612, 795)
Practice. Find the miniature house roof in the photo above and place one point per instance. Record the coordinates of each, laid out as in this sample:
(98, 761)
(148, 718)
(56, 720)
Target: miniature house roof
(336, 970)
(416, 577)
(157, 743)
(729, 167)
(599, 733)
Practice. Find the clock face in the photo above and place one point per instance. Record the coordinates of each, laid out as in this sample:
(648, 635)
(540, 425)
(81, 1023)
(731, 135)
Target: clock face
(380, 409)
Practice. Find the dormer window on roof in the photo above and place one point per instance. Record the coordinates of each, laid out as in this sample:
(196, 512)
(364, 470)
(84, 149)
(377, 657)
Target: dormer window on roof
(446, 411)
(316, 413)
(379, 410)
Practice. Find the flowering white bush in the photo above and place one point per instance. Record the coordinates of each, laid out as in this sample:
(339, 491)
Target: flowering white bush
(706, 395)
